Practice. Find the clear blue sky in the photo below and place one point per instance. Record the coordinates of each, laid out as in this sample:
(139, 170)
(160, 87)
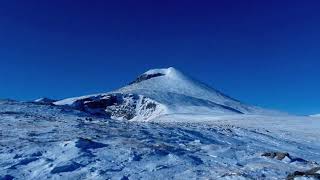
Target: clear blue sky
(265, 53)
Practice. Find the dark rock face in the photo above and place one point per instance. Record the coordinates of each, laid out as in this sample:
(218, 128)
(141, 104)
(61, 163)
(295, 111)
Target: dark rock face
(144, 77)
(102, 103)
(125, 108)
(151, 106)
(119, 106)
(96, 105)
(282, 155)
(277, 155)
(312, 173)
(45, 101)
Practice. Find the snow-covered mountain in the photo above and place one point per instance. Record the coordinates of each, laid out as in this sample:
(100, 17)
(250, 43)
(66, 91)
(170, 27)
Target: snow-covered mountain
(209, 135)
(160, 92)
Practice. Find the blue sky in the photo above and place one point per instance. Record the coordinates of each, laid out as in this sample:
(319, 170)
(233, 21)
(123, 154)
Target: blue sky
(264, 53)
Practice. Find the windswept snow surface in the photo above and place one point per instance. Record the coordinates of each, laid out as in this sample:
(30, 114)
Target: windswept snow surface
(315, 115)
(176, 93)
(41, 141)
(189, 131)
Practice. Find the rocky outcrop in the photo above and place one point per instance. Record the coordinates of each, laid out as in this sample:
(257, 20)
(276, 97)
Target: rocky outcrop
(144, 77)
(285, 156)
(120, 106)
(45, 101)
(277, 155)
(312, 173)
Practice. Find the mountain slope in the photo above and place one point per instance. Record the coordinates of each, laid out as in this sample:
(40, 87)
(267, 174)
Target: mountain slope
(162, 92)
(41, 141)
(315, 115)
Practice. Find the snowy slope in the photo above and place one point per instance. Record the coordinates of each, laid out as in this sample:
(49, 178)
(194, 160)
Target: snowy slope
(196, 132)
(45, 101)
(173, 93)
(41, 141)
(315, 115)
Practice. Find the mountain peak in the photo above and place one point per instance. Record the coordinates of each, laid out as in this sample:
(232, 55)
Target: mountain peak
(165, 71)
(169, 72)
(159, 92)
(152, 73)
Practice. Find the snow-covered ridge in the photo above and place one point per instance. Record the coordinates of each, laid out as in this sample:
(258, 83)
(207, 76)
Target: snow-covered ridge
(173, 93)
(44, 101)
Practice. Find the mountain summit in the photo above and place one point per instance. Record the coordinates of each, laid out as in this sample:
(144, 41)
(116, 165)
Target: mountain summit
(160, 92)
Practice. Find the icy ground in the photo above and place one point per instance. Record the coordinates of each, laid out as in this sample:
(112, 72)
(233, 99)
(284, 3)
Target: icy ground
(51, 142)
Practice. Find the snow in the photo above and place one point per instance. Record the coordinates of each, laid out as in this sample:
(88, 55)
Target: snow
(315, 115)
(175, 88)
(163, 125)
(44, 101)
(40, 141)
(176, 93)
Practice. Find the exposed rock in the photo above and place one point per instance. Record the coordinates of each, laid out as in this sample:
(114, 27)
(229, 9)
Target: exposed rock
(96, 105)
(102, 103)
(118, 106)
(45, 101)
(312, 173)
(144, 77)
(282, 155)
(151, 105)
(277, 155)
